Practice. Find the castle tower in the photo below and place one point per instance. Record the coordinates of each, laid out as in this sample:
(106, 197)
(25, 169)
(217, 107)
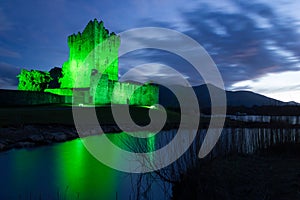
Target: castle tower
(93, 49)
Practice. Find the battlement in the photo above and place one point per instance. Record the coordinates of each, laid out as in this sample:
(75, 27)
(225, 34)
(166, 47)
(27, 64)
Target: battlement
(89, 51)
(90, 75)
(94, 30)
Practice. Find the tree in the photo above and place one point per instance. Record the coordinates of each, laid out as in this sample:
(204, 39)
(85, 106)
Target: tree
(33, 80)
(56, 74)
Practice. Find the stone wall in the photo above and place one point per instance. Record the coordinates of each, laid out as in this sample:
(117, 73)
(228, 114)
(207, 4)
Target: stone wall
(94, 48)
(106, 91)
(24, 98)
(134, 94)
(61, 91)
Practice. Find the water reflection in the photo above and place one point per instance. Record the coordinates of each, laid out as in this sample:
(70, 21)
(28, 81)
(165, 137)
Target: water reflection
(68, 171)
(65, 171)
(77, 171)
(62, 171)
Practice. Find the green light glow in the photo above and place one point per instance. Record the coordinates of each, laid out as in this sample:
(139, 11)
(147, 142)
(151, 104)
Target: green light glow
(84, 174)
(151, 146)
(107, 91)
(91, 81)
(60, 91)
(33, 80)
(138, 145)
(81, 45)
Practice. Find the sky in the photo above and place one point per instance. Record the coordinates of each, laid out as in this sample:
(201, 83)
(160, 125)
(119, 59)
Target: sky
(255, 44)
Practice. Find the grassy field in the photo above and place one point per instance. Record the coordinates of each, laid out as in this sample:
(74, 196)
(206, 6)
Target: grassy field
(62, 114)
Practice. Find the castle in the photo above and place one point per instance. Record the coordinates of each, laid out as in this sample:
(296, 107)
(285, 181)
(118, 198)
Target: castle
(90, 75)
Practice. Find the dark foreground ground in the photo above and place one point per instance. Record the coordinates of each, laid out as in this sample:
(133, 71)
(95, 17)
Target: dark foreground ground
(30, 126)
(272, 174)
(23, 127)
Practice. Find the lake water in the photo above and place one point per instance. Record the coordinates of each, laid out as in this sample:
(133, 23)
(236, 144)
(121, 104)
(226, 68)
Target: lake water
(68, 171)
(62, 171)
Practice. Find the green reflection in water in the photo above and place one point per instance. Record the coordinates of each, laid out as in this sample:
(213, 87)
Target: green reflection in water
(151, 145)
(130, 142)
(68, 171)
(81, 175)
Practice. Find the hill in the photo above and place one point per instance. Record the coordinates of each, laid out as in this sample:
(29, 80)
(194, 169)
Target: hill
(234, 98)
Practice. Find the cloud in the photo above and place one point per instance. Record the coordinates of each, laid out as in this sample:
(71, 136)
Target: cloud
(6, 24)
(161, 58)
(154, 73)
(240, 49)
(284, 86)
(7, 83)
(8, 73)
(246, 40)
(9, 53)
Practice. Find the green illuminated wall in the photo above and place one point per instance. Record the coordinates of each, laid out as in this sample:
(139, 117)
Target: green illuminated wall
(60, 91)
(99, 70)
(77, 72)
(106, 91)
(90, 75)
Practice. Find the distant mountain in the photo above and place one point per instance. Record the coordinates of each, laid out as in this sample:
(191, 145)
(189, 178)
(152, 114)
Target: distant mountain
(237, 98)
(249, 99)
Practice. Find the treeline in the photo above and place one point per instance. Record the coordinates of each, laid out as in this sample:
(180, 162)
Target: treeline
(36, 80)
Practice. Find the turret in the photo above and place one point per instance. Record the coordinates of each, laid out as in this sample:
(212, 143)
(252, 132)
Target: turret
(104, 59)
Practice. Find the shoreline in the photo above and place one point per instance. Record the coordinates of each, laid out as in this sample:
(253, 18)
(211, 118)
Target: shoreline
(34, 135)
(30, 135)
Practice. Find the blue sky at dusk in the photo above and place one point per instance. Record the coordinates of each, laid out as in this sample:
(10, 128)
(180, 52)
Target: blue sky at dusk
(256, 46)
